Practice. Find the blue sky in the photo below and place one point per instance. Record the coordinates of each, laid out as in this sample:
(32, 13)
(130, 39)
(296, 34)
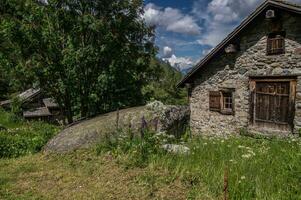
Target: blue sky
(188, 29)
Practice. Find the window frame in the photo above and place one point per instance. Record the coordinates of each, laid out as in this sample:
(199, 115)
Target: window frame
(273, 40)
(227, 93)
(223, 95)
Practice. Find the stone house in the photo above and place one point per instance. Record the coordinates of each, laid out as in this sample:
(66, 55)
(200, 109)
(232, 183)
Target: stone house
(252, 79)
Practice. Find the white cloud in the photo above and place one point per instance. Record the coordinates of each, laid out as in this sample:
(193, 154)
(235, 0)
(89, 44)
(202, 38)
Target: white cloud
(181, 63)
(171, 19)
(206, 51)
(167, 52)
(222, 16)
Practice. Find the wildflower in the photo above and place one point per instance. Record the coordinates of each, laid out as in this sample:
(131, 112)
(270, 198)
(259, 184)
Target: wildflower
(205, 143)
(243, 178)
(171, 137)
(251, 152)
(241, 147)
(246, 156)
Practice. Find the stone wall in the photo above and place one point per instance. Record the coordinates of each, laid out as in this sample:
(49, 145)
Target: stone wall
(234, 70)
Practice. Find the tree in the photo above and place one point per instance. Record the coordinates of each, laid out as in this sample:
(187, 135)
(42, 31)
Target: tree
(162, 84)
(17, 43)
(92, 56)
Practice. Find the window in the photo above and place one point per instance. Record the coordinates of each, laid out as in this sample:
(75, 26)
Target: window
(221, 101)
(227, 104)
(276, 43)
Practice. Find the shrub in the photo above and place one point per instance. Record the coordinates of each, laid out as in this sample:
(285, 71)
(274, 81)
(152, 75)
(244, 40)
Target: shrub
(21, 138)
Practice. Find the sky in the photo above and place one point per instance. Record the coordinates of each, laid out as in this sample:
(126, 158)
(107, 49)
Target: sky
(186, 30)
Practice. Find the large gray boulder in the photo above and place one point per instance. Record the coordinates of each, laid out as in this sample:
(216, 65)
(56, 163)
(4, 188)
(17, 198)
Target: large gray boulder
(154, 116)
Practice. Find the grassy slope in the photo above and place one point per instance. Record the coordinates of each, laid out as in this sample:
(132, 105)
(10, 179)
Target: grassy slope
(259, 169)
(80, 175)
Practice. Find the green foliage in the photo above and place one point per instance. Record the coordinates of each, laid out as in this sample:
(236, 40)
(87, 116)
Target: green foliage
(134, 151)
(92, 57)
(162, 84)
(21, 138)
(16, 104)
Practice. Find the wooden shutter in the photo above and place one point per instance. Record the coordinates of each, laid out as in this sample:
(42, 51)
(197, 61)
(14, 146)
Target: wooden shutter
(252, 100)
(275, 45)
(214, 101)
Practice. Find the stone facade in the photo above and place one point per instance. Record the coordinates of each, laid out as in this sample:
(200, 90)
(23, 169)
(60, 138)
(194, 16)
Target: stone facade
(234, 71)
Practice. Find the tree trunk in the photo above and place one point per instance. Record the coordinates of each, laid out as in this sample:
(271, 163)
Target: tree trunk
(68, 108)
(83, 106)
(84, 111)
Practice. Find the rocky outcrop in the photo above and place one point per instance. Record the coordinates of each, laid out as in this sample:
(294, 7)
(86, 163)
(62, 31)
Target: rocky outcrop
(155, 116)
(172, 119)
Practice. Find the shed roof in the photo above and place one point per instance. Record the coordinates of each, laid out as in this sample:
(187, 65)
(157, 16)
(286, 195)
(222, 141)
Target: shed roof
(29, 94)
(4, 103)
(24, 96)
(50, 103)
(38, 112)
(296, 8)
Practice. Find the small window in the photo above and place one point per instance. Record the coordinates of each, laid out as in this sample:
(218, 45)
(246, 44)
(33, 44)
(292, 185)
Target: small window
(227, 104)
(276, 43)
(221, 101)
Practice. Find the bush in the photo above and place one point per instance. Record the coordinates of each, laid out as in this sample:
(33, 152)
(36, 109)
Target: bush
(21, 138)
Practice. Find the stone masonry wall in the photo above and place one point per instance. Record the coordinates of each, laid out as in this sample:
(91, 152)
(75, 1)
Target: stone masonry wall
(233, 71)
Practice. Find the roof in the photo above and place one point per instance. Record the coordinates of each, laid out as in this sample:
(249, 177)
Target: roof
(220, 47)
(24, 96)
(29, 94)
(38, 112)
(4, 103)
(50, 103)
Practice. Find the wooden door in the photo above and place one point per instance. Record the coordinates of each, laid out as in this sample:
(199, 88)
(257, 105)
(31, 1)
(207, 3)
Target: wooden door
(273, 104)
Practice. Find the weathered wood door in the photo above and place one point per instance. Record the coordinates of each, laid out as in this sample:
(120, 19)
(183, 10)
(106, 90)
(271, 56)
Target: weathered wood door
(273, 104)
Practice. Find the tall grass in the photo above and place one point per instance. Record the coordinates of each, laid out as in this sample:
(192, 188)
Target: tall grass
(258, 168)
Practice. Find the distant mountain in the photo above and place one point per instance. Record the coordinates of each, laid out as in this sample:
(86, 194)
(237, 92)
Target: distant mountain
(186, 71)
(177, 66)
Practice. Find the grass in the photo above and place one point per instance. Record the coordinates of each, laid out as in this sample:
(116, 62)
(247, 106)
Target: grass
(80, 175)
(18, 137)
(258, 169)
